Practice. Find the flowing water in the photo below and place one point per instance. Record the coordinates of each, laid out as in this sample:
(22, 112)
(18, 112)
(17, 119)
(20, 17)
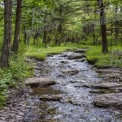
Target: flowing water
(76, 104)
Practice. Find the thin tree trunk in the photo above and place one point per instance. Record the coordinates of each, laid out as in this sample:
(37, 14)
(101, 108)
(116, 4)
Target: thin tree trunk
(4, 61)
(17, 27)
(103, 27)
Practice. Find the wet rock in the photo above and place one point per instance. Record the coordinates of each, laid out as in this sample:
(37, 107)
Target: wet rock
(39, 81)
(50, 98)
(64, 62)
(78, 86)
(86, 85)
(77, 81)
(83, 59)
(107, 71)
(106, 85)
(64, 55)
(70, 71)
(36, 73)
(109, 100)
(103, 91)
(76, 56)
(61, 76)
(97, 91)
(111, 75)
(80, 50)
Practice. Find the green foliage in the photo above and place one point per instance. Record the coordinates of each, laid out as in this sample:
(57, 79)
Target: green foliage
(96, 57)
(17, 71)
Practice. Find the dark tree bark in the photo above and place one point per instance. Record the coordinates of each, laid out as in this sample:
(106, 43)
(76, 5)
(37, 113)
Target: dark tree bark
(103, 26)
(17, 27)
(4, 61)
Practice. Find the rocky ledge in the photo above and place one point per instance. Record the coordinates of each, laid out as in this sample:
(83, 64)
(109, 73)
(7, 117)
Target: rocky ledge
(20, 106)
(109, 100)
(39, 81)
(110, 90)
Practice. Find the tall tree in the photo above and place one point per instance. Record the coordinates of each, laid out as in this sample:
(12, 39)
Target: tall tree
(17, 27)
(4, 61)
(103, 26)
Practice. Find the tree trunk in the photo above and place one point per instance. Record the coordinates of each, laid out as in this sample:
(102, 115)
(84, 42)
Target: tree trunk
(17, 27)
(103, 27)
(4, 61)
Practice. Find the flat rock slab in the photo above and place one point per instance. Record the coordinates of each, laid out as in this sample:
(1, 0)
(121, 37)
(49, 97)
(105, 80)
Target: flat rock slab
(108, 71)
(80, 50)
(106, 85)
(112, 75)
(39, 81)
(50, 98)
(70, 71)
(113, 100)
(76, 56)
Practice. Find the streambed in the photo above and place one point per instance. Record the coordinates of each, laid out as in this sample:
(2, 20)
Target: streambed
(74, 102)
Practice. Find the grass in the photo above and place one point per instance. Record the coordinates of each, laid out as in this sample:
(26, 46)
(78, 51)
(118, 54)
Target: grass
(96, 57)
(94, 54)
(41, 53)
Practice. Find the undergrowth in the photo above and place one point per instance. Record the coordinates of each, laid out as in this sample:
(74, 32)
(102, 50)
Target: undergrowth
(96, 57)
(9, 77)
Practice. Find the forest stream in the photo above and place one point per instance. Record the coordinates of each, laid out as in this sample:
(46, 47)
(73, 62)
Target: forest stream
(66, 88)
(70, 99)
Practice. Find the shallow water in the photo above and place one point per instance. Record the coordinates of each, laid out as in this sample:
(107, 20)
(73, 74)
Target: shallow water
(77, 101)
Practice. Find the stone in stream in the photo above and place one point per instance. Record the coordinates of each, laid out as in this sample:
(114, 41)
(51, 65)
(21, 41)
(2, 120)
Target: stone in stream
(109, 100)
(39, 81)
(80, 50)
(103, 91)
(50, 97)
(76, 56)
(108, 71)
(64, 62)
(112, 75)
(106, 85)
(64, 55)
(70, 71)
(77, 81)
